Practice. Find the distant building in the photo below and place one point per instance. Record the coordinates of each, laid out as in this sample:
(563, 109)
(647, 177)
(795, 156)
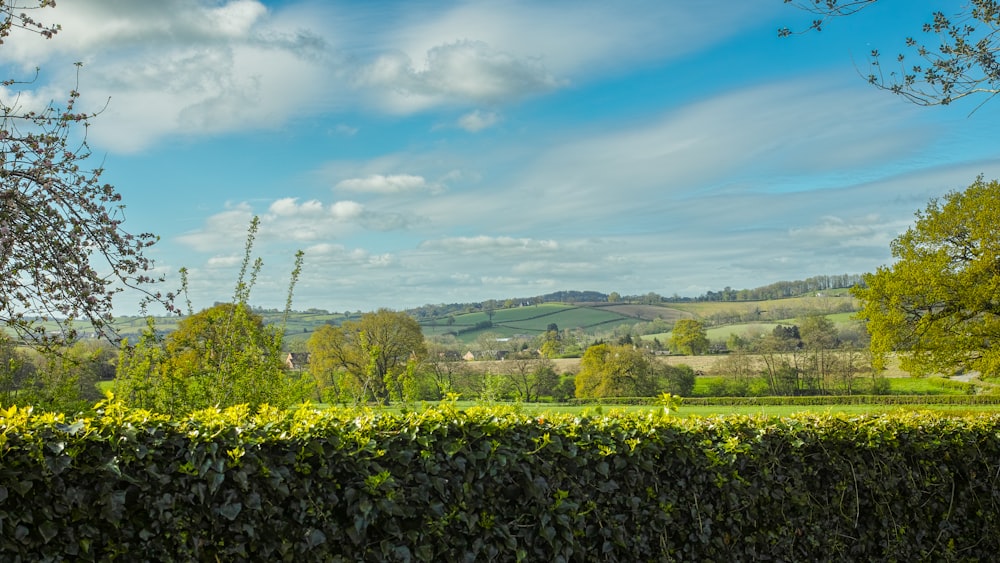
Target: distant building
(297, 360)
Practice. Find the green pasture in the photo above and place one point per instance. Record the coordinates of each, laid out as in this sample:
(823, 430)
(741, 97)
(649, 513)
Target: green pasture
(542, 410)
(770, 410)
(534, 314)
(897, 385)
(534, 319)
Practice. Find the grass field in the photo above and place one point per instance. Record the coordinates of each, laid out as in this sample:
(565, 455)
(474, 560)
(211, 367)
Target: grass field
(704, 411)
(535, 319)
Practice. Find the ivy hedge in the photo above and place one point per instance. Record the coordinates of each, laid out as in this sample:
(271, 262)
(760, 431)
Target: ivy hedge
(496, 485)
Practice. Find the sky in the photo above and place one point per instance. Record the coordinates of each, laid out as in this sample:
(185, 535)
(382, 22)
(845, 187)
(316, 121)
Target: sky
(443, 151)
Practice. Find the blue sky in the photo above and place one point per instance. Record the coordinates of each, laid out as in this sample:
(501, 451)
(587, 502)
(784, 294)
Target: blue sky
(425, 152)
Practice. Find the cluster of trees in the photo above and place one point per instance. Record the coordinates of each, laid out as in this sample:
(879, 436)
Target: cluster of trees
(608, 370)
(783, 289)
(809, 358)
(222, 356)
(383, 357)
(66, 380)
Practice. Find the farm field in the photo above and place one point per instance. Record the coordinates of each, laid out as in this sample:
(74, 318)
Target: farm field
(535, 319)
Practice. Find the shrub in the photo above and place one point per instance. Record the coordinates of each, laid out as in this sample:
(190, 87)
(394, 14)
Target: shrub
(494, 484)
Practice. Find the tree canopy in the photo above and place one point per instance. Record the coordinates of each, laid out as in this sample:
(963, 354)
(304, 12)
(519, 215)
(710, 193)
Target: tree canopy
(64, 251)
(222, 356)
(379, 351)
(939, 303)
(616, 371)
(957, 59)
(689, 337)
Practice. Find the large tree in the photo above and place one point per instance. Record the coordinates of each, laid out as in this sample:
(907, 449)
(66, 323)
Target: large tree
(616, 371)
(939, 303)
(689, 337)
(958, 58)
(379, 351)
(222, 356)
(64, 252)
(530, 375)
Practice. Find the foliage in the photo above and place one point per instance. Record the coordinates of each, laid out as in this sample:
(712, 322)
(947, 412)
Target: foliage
(379, 352)
(677, 380)
(15, 370)
(64, 252)
(491, 484)
(938, 303)
(65, 379)
(959, 59)
(688, 337)
(616, 371)
(222, 356)
(531, 376)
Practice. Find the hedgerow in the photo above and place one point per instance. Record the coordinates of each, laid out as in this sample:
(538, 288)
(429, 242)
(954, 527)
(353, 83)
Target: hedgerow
(493, 484)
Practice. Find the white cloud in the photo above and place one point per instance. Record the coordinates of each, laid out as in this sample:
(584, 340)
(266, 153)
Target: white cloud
(381, 184)
(289, 207)
(478, 120)
(181, 67)
(486, 244)
(189, 68)
(457, 72)
(227, 261)
(346, 210)
(573, 38)
(222, 231)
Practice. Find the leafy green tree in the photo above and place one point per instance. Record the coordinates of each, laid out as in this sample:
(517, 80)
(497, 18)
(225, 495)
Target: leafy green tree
(689, 337)
(15, 370)
(616, 371)
(551, 342)
(324, 367)
(378, 351)
(66, 379)
(222, 356)
(677, 380)
(939, 303)
(960, 58)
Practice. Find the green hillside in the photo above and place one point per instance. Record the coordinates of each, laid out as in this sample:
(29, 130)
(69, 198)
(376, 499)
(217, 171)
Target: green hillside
(598, 316)
(532, 320)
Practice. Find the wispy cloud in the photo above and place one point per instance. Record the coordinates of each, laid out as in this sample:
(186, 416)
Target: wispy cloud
(382, 184)
(191, 68)
(478, 120)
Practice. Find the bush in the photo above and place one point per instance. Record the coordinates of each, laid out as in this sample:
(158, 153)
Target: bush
(492, 484)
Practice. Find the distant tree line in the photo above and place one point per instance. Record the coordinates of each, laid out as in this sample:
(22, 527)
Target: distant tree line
(783, 289)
